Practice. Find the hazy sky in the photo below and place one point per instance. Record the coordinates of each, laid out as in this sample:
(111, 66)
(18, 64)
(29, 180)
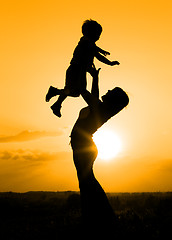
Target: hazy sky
(36, 45)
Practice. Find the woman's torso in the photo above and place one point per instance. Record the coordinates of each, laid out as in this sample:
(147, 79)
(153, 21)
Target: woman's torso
(85, 126)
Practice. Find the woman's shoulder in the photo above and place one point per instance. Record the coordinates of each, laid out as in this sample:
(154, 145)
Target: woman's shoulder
(82, 118)
(84, 113)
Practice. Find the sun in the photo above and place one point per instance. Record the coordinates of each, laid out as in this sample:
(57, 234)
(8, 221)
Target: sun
(108, 144)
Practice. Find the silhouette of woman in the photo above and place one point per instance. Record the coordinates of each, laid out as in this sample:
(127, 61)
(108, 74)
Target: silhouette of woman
(96, 210)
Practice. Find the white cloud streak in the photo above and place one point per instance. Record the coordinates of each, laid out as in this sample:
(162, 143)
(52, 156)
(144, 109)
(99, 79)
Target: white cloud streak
(29, 136)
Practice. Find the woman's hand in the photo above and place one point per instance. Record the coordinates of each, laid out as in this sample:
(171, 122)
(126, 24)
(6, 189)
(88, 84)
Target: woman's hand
(94, 72)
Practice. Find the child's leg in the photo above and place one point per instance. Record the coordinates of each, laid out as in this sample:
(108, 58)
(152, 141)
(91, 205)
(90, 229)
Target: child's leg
(52, 91)
(57, 105)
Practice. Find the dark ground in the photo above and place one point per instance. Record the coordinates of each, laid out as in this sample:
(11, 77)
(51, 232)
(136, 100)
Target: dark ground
(57, 215)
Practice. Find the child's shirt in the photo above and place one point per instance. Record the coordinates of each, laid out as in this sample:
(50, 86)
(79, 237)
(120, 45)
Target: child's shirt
(84, 53)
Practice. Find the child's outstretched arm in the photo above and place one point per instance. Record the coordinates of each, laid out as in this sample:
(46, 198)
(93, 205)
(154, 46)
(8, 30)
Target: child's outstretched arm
(103, 59)
(102, 51)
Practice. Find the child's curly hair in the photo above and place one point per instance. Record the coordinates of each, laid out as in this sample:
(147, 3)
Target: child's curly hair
(91, 28)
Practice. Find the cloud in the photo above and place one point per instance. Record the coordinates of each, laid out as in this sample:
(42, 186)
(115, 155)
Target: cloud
(26, 170)
(29, 136)
(33, 156)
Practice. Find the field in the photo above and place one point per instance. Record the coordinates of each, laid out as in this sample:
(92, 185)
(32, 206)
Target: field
(57, 215)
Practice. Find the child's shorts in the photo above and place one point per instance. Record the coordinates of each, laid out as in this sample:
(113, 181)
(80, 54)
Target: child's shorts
(75, 79)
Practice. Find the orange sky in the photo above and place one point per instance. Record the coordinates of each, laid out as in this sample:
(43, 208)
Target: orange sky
(36, 45)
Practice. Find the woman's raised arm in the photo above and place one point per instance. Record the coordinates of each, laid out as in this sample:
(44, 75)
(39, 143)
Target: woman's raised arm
(92, 99)
(95, 83)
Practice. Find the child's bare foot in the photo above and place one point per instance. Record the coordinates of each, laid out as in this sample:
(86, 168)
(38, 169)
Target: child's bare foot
(56, 109)
(52, 91)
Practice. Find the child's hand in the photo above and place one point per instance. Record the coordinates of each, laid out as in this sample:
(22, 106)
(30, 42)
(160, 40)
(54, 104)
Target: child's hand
(114, 63)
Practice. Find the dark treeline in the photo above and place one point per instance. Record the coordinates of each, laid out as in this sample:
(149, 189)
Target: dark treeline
(53, 215)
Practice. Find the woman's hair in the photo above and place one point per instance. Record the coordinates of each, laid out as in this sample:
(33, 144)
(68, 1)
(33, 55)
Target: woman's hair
(115, 100)
(91, 28)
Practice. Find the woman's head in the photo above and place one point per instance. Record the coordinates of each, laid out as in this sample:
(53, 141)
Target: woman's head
(115, 100)
(91, 29)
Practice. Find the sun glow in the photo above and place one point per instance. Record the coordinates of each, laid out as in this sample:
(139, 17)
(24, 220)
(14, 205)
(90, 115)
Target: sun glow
(108, 144)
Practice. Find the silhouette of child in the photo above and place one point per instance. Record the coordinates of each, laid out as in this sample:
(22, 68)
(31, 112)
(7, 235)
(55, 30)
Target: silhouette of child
(81, 63)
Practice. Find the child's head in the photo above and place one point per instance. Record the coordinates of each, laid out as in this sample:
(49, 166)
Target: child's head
(91, 29)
